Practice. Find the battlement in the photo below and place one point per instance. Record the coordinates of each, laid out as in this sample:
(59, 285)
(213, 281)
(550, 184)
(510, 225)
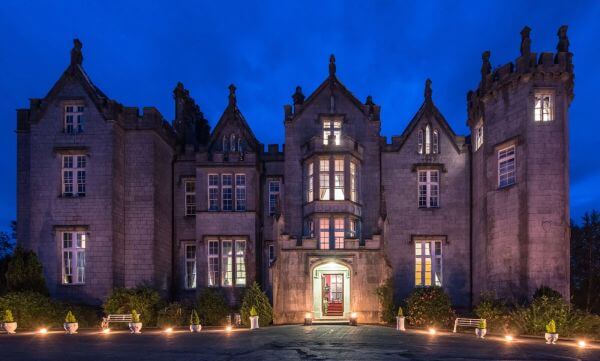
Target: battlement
(272, 152)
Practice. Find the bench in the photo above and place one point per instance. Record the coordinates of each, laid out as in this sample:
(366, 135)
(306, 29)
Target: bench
(126, 318)
(467, 322)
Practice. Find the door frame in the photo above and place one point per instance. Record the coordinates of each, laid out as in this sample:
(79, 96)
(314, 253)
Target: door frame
(317, 295)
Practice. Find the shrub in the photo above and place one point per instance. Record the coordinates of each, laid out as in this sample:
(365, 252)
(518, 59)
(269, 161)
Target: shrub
(172, 315)
(532, 320)
(493, 311)
(194, 319)
(25, 273)
(142, 298)
(70, 318)
(400, 312)
(482, 324)
(257, 299)
(385, 294)
(32, 309)
(546, 291)
(429, 306)
(253, 312)
(7, 316)
(212, 307)
(551, 327)
(135, 317)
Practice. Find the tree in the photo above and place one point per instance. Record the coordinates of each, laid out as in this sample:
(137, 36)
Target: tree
(7, 241)
(25, 272)
(585, 263)
(257, 299)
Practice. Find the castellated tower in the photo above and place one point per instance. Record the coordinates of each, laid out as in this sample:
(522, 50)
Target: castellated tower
(518, 118)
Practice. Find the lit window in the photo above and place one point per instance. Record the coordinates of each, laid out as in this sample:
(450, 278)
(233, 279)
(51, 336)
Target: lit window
(227, 263)
(240, 192)
(73, 119)
(435, 142)
(354, 231)
(74, 165)
(324, 179)
(213, 263)
(544, 107)
(190, 197)
(421, 141)
(227, 192)
(428, 263)
(240, 263)
(478, 137)
(213, 192)
(429, 186)
(428, 141)
(73, 257)
(190, 266)
(339, 231)
(324, 233)
(506, 167)
(309, 182)
(353, 182)
(338, 178)
(273, 196)
(332, 128)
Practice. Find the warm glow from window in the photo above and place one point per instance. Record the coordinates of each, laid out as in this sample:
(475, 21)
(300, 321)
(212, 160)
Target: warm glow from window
(544, 107)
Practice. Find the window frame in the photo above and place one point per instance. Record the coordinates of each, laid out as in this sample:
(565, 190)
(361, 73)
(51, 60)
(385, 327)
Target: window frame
(479, 136)
(77, 252)
(324, 179)
(324, 233)
(339, 176)
(354, 181)
(504, 157)
(76, 168)
(215, 272)
(73, 120)
(229, 188)
(187, 261)
(227, 269)
(274, 195)
(430, 186)
(539, 116)
(189, 206)
(332, 127)
(310, 193)
(240, 193)
(436, 275)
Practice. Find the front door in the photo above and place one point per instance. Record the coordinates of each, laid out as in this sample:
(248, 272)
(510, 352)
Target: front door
(333, 294)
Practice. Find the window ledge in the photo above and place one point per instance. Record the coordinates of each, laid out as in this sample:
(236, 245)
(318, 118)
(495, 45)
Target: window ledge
(507, 187)
(65, 196)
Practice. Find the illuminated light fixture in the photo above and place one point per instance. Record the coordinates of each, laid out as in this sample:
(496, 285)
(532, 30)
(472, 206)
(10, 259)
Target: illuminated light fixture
(43, 331)
(508, 338)
(353, 319)
(353, 315)
(169, 330)
(432, 331)
(106, 331)
(228, 328)
(307, 315)
(307, 319)
(581, 343)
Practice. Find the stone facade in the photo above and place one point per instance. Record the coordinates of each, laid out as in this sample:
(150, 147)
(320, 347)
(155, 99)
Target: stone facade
(320, 224)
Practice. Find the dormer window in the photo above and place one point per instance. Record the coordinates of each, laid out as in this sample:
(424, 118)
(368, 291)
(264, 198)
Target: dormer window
(544, 107)
(332, 128)
(428, 141)
(73, 119)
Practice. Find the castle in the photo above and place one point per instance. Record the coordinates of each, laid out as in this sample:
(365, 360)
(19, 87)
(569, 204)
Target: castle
(111, 197)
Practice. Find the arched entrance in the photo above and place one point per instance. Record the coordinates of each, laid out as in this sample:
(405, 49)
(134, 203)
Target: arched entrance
(331, 290)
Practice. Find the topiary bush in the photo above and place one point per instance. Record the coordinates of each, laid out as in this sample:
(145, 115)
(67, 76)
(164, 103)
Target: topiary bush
(429, 306)
(494, 311)
(7, 317)
(70, 318)
(173, 314)
(194, 318)
(212, 307)
(385, 294)
(255, 297)
(144, 299)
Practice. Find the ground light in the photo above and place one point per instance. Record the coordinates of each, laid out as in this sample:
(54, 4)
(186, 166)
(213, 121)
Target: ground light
(169, 330)
(581, 343)
(106, 331)
(432, 331)
(43, 331)
(508, 338)
(228, 328)
(353, 319)
(308, 319)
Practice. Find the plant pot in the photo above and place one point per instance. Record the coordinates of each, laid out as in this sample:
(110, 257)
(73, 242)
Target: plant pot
(195, 328)
(480, 332)
(71, 327)
(253, 322)
(551, 338)
(135, 327)
(400, 323)
(9, 327)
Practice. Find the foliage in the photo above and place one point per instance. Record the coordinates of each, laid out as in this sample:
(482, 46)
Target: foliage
(585, 263)
(7, 241)
(212, 307)
(400, 312)
(429, 306)
(385, 294)
(551, 327)
(493, 311)
(70, 318)
(25, 273)
(482, 324)
(546, 291)
(7, 316)
(532, 320)
(255, 297)
(253, 312)
(135, 317)
(194, 319)
(172, 314)
(142, 298)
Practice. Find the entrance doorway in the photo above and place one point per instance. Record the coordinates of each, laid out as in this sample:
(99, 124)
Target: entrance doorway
(331, 291)
(333, 294)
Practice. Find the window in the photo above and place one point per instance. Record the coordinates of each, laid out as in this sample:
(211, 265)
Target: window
(240, 192)
(309, 228)
(428, 263)
(435, 142)
(544, 107)
(354, 231)
(73, 119)
(309, 182)
(353, 182)
(273, 196)
(421, 140)
(324, 179)
(338, 177)
(240, 263)
(428, 141)
(324, 233)
(213, 263)
(271, 253)
(213, 192)
(227, 263)
(332, 128)
(429, 184)
(227, 192)
(190, 197)
(506, 167)
(73, 257)
(190, 266)
(478, 137)
(338, 233)
(74, 165)
(232, 143)
(225, 144)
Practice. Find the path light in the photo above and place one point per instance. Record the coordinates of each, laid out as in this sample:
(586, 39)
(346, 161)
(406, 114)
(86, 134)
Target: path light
(432, 331)
(508, 338)
(353, 319)
(106, 331)
(581, 343)
(169, 330)
(308, 319)
(228, 328)
(43, 331)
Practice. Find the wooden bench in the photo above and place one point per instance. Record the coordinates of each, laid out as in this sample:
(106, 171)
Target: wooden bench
(126, 318)
(467, 322)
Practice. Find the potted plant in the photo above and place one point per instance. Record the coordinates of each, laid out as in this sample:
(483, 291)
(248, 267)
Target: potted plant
(135, 326)
(253, 318)
(400, 320)
(481, 329)
(195, 325)
(551, 336)
(70, 324)
(8, 322)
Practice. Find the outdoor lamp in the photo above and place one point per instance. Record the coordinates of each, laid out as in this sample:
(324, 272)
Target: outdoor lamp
(307, 319)
(432, 331)
(581, 343)
(353, 319)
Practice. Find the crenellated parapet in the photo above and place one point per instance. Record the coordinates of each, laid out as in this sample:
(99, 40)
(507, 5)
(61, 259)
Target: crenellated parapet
(543, 67)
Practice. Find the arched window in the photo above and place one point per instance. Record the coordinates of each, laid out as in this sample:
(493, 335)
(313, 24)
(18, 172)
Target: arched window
(233, 143)
(435, 142)
(427, 139)
(225, 144)
(420, 146)
(240, 148)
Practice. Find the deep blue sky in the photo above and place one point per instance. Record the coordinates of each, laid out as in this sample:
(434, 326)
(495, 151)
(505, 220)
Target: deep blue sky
(136, 53)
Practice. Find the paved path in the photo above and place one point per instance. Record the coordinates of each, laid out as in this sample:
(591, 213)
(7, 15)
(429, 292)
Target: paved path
(283, 343)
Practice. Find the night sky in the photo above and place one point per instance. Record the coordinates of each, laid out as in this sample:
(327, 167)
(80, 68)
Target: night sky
(137, 53)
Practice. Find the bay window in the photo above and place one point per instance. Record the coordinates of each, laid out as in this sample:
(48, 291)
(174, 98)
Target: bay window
(324, 179)
(338, 178)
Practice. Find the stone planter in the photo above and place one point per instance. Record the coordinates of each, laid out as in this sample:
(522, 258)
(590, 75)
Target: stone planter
(253, 322)
(551, 338)
(71, 327)
(480, 332)
(135, 327)
(400, 323)
(195, 328)
(9, 327)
